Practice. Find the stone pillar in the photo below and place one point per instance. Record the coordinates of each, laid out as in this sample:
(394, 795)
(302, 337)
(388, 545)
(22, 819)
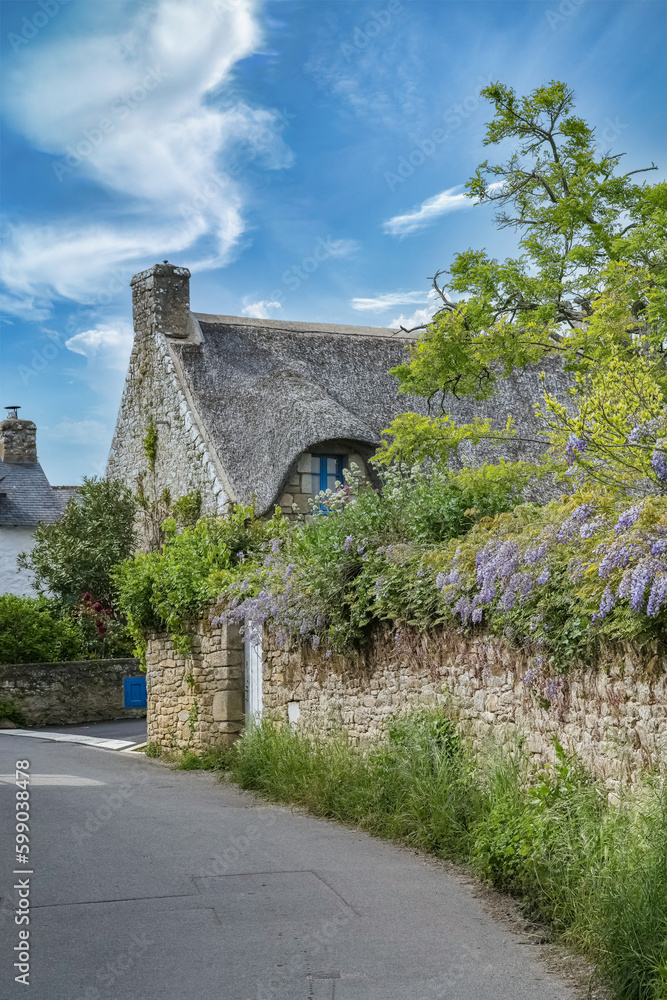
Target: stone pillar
(196, 702)
(225, 698)
(161, 300)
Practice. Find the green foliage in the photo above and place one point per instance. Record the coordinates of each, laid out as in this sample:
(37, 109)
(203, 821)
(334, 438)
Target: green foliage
(166, 590)
(589, 286)
(149, 443)
(215, 759)
(187, 509)
(35, 630)
(597, 873)
(40, 630)
(9, 711)
(414, 438)
(363, 557)
(76, 554)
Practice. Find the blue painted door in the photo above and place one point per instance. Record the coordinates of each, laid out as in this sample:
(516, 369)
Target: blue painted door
(135, 692)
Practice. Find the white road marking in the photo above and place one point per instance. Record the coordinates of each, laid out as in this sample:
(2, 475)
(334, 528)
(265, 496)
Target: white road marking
(51, 779)
(93, 741)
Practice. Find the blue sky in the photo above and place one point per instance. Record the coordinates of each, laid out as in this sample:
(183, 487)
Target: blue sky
(236, 137)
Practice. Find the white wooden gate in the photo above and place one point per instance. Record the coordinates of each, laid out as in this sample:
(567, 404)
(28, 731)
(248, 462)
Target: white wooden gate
(253, 678)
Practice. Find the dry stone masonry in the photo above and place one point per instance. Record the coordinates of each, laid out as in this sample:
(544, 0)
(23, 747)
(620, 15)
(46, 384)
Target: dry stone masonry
(613, 715)
(196, 700)
(51, 694)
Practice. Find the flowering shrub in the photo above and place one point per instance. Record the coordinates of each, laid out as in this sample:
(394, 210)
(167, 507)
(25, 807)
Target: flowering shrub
(428, 549)
(370, 555)
(166, 590)
(557, 578)
(42, 630)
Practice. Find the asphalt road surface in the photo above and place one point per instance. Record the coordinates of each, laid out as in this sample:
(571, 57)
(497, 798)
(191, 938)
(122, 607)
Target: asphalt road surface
(151, 884)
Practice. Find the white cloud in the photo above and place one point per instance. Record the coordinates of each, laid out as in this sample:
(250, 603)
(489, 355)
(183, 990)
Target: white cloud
(260, 310)
(107, 343)
(147, 112)
(341, 248)
(421, 316)
(451, 200)
(76, 431)
(27, 308)
(380, 303)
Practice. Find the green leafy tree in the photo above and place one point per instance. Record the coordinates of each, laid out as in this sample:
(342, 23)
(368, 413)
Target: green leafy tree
(589, 285)
(75, 555)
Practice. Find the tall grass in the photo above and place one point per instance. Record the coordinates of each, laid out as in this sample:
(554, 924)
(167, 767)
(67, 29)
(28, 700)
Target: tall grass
(596, 872)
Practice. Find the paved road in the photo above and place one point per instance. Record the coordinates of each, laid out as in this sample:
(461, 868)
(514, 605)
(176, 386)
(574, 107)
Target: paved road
(119, 729)
(153, 884)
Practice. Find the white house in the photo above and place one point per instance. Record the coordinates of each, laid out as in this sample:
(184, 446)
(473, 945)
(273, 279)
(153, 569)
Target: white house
(26, 498)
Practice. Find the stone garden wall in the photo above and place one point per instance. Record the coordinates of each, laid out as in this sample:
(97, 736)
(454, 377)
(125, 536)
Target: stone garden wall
(614, 715)
(61, 693)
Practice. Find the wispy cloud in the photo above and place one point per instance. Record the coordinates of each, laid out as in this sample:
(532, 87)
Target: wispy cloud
(451, 200)
(390, 300)
(107, 344)
(421, 316)
(342, 248)
(261, 309)
(75, 431)
(148, 113)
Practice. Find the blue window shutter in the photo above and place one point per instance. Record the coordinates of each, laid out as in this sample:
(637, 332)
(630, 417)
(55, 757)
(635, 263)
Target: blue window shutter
(323, 473)
(327, 472)
(134, 690)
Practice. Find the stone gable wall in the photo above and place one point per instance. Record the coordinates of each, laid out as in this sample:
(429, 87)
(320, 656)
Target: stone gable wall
(153, 394)
(51, 694)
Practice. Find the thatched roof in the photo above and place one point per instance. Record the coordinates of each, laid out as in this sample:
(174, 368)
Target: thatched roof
(268, 390)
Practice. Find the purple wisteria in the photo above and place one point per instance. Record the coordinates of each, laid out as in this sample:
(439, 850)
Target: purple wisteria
(575, 446)
(632, 560)
(659, 462)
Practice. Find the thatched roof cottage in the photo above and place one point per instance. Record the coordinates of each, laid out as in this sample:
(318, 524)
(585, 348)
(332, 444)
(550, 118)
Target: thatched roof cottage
(259, 409)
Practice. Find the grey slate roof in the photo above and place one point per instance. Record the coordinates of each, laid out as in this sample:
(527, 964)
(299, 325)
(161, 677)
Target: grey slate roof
(267, 390)
(29, 496)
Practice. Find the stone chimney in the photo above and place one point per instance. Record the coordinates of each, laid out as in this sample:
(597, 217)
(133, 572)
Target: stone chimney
(18, 439)
(161, 300)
